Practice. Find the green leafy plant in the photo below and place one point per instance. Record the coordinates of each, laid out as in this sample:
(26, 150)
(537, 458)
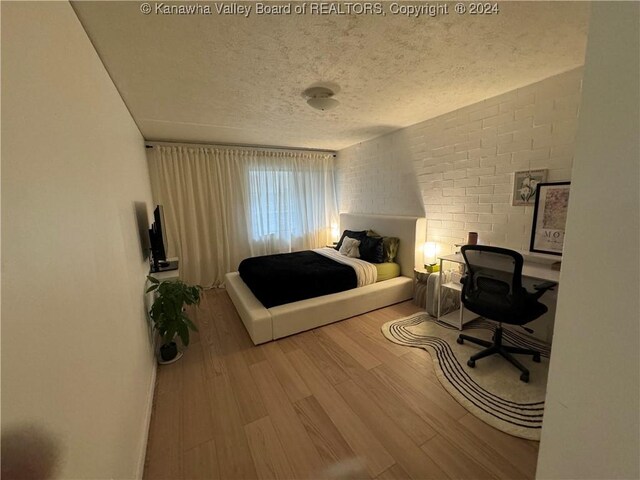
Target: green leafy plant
(166, 312)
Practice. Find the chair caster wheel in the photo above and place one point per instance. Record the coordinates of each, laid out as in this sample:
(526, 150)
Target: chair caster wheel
(524, 377)
(536, 358)
(471, 363)
(460, 340)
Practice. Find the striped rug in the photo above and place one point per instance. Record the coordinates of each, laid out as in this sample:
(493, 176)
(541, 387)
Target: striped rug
(492, 391)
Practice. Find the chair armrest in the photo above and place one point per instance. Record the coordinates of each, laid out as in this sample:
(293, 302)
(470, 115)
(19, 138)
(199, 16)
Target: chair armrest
(545, 285)
(541, 288)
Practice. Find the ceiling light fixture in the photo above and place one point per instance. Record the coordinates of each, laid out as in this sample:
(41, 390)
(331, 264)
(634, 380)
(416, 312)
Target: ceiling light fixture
(320, 98)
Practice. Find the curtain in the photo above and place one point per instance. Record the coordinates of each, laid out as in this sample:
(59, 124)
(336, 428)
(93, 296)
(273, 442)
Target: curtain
(222, 205)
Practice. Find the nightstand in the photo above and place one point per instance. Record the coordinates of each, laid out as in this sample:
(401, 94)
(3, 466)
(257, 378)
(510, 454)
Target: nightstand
(420, 279)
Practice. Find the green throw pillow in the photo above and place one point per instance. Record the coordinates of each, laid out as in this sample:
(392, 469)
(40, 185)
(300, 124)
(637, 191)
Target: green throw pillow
(389, 246)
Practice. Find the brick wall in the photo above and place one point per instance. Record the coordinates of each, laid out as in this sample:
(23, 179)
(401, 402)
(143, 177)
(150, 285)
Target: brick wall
(457, 169)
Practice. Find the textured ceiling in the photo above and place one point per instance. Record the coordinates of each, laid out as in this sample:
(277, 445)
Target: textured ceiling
(235, 79)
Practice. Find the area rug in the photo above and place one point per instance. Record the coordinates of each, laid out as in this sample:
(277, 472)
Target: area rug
(492, 391)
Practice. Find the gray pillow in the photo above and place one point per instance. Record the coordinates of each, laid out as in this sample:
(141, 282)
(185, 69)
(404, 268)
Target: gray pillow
(349, 247)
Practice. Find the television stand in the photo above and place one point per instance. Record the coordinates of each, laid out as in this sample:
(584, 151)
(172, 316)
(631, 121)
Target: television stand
(164, 266)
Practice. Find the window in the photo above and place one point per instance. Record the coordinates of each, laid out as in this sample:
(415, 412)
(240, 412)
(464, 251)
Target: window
(274, 204)
(292, 205)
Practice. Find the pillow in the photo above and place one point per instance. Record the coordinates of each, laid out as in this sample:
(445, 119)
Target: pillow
(389, 246)
(349, 247)
(372, 249)
(350, 234)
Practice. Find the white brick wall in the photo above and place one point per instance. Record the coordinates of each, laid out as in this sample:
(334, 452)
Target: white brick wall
(457, 169)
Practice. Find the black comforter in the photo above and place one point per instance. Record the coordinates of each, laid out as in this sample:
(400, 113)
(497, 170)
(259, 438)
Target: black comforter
(289, 277)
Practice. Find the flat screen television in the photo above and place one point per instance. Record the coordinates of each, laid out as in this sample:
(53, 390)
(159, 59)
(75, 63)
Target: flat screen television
(158, 240)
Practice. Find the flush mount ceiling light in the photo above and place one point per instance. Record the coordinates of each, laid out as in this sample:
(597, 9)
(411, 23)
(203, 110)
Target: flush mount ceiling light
(320, 98)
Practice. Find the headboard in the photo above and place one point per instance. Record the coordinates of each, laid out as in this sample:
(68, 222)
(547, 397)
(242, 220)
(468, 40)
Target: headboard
(410, 230)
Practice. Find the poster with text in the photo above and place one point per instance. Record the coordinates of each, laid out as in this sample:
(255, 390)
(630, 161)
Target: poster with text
(550, 218)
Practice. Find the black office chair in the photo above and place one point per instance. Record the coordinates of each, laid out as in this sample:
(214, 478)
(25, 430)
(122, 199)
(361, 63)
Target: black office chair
(492, 288)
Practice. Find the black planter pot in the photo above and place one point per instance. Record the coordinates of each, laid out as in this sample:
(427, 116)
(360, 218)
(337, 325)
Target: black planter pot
(168, 351)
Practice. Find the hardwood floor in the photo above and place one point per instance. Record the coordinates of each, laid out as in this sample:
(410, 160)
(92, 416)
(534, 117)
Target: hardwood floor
(338, 402)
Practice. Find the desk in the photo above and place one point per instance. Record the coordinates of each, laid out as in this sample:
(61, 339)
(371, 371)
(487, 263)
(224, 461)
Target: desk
(535, 268)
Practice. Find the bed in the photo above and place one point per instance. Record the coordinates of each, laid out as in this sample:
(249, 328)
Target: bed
(266, 324)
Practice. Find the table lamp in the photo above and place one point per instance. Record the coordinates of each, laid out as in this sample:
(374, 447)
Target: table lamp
(430, 253)
(335, 233)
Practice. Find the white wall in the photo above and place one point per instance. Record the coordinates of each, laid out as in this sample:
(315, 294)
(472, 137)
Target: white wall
(457, 169)
(76, 359)
(377, 177)
(591, 426)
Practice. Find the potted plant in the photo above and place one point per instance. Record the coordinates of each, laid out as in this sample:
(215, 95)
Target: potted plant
(168, 315)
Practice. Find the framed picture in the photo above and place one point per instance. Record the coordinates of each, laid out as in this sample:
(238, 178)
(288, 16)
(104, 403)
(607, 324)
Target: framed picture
(524, 186)
(550, 217)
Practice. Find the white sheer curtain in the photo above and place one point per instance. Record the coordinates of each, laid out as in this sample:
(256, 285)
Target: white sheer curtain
(225, 204)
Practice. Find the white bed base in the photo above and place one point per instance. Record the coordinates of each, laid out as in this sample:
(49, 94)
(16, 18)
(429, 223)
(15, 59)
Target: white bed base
(269, 324)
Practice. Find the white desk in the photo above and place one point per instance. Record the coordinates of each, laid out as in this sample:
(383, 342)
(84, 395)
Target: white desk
(535, 267)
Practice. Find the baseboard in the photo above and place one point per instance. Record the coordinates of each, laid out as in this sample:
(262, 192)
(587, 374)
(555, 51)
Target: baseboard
(147, 422)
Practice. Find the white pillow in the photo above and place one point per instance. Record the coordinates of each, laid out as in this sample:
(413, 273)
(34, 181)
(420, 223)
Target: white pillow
(350, 248)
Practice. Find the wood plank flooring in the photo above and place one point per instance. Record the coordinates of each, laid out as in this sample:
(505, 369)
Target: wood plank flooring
(338, 402)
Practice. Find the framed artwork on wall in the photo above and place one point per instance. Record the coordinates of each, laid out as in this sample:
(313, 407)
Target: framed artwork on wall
(550, 217)
(524, 186)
